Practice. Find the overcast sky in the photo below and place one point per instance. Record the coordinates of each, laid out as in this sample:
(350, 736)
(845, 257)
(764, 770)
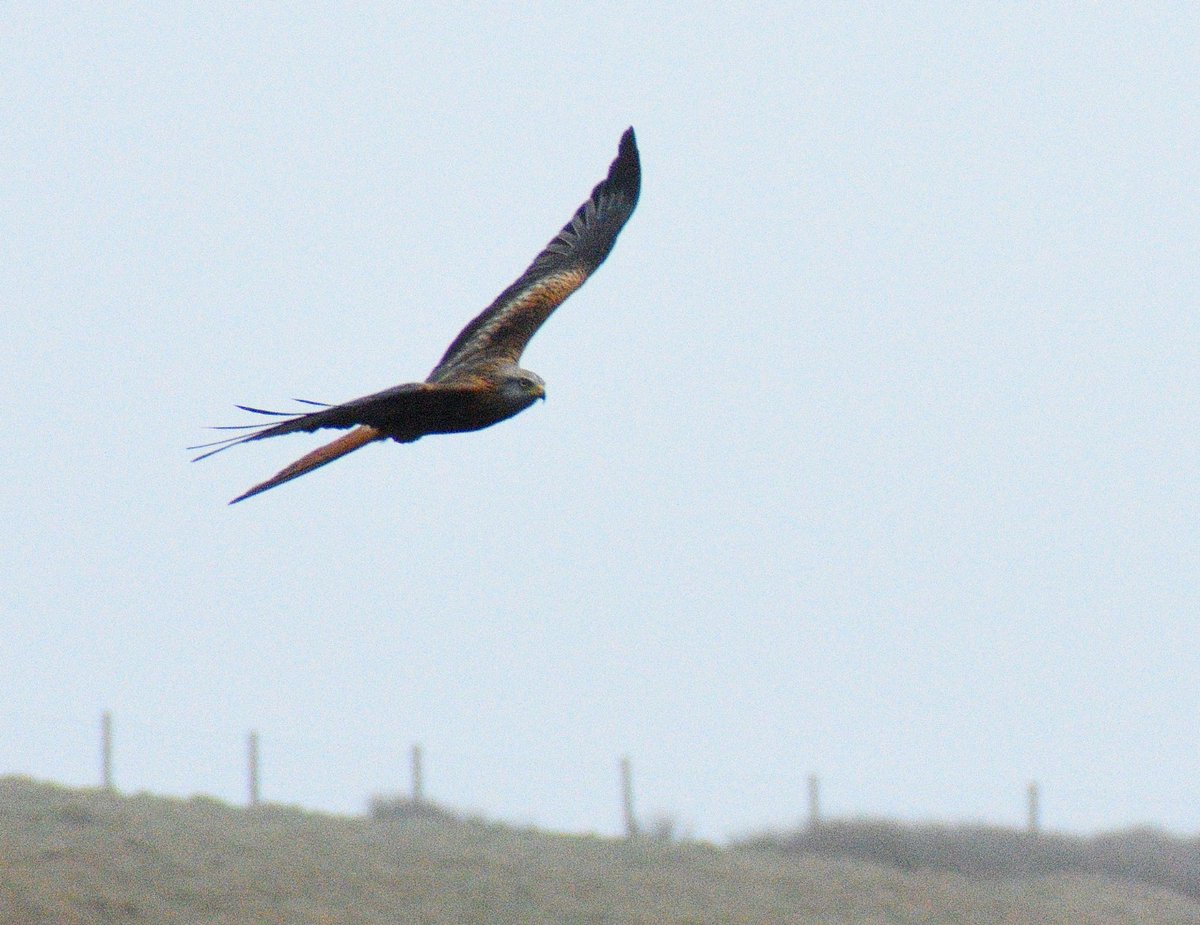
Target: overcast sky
(871, 451)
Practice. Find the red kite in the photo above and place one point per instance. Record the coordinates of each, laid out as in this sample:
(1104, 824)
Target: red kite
(478, 382)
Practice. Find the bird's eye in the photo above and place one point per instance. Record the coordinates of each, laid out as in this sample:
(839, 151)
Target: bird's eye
(526, 382)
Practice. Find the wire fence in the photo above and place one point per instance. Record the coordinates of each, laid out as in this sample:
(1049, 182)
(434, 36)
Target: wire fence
(662, 826)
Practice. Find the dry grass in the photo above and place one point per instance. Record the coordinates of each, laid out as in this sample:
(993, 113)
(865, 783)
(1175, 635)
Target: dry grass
(74, 856)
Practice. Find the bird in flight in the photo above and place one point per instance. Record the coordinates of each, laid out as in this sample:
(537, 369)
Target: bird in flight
(478, 382)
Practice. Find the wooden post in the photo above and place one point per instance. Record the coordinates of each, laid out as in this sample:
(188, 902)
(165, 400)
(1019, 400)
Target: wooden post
(418, 777)
(1032, 805)
(814, 801)
(106, 769)
(252, 766)
(631, 826)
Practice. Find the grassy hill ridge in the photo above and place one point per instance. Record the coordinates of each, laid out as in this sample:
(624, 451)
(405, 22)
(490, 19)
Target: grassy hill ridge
(85, 856)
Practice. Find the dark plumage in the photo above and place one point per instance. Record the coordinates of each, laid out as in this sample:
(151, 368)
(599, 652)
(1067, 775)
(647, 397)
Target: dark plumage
(477, 383)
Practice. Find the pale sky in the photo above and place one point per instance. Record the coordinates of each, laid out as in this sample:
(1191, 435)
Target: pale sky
(871, 451)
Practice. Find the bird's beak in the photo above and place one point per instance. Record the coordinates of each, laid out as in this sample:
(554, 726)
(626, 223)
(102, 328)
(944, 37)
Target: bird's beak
(540, 392)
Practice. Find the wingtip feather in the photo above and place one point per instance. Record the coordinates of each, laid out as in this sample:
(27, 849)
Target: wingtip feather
(626, 171)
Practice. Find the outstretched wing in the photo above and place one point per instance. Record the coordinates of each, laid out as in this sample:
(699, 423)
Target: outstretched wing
(402, 412)
(504, 328)
(347, 443)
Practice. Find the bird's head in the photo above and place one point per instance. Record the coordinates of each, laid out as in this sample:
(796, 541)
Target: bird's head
(521, 387)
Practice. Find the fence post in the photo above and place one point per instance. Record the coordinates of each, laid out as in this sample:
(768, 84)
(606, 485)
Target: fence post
(631, 826)
(252, 766)
(814, 801)
(1032, 806)
(106, 775)
(418, 777)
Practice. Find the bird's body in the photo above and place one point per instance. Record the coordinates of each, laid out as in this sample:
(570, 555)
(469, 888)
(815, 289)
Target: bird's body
(478, 381)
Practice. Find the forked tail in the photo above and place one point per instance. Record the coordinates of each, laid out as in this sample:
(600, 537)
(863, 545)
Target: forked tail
(347, 443)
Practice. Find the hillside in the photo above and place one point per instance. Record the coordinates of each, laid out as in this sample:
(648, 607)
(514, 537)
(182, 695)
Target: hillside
(84, 856)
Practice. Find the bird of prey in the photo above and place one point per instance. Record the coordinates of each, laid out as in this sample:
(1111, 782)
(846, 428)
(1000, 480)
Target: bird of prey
(478, 382)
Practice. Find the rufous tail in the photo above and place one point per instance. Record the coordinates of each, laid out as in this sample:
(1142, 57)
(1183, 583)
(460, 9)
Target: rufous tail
(347, 443)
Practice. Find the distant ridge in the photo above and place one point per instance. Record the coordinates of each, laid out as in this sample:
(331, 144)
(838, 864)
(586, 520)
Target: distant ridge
(84, 856)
